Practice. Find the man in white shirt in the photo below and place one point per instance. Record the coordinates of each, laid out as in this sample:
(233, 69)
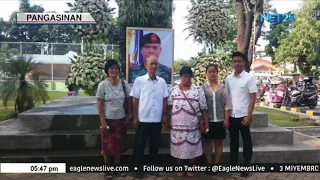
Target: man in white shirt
(149, 93)
(242, 89)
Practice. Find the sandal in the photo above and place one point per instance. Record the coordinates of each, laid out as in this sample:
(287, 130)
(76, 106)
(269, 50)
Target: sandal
(180, 174)
(190, 174)
(107, 175)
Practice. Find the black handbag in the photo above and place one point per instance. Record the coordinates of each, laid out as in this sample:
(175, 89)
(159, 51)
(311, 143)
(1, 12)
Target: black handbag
(125, 103)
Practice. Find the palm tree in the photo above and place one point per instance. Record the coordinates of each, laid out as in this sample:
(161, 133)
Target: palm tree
(16, 87)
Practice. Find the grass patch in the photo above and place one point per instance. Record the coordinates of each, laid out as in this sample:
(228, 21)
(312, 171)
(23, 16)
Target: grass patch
(283, 119)
(8, 113)
(54, 95)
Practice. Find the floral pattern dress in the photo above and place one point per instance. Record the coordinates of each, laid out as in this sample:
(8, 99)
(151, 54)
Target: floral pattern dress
(185, 133)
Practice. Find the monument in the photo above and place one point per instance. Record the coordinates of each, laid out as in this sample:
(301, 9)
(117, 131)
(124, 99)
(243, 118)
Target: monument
(67, 130)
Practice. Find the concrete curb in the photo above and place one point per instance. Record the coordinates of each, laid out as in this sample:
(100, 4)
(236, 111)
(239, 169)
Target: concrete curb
(295, 111)
(302, 127)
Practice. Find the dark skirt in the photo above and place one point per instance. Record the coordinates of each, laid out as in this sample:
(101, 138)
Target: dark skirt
(114, 141)
(216, 131)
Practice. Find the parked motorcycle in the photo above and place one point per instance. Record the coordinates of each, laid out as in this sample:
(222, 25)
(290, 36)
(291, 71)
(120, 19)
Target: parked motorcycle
(262, 90)
(275, 93)
(276, 96)
(287, 97)
(304, 97)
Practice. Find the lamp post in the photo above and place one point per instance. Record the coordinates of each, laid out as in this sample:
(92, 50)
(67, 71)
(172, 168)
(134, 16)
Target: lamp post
(317, 12)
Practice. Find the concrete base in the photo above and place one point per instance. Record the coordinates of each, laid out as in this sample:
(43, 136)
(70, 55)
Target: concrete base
(304, 150)
(313, 131)
(67, 130)
(79, 113)
(91, 139)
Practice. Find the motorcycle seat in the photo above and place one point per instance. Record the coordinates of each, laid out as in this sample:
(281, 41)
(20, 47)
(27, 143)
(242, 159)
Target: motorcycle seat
(308, 94)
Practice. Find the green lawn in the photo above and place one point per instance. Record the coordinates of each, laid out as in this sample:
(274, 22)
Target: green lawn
(59, 94)
(283, 119)
(7, 113)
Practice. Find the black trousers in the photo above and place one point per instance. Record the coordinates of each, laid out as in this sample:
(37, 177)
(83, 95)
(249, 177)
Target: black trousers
(234, 127)
(145, 132)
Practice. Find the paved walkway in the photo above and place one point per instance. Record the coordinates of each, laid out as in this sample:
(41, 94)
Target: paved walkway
(224, 176)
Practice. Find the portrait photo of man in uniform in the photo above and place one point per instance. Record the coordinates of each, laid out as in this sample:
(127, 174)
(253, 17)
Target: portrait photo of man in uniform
(150, 44)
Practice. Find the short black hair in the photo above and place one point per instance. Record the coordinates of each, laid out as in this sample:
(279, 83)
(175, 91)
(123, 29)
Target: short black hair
(212, 65)
(186, 70)
(239, 54)
(110, 63)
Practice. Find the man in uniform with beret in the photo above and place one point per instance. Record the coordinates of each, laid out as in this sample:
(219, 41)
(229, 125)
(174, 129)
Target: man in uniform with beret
(150, 45)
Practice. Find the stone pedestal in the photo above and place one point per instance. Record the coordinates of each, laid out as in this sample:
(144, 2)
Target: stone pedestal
(69, 128)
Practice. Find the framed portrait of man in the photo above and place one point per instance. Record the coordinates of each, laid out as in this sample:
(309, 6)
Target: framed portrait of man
(145, 42)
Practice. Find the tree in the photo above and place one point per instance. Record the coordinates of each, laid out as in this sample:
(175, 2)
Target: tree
(24, 33)
(179, 63)
(5, 54)
(57, 34)
(219, 56)
(221, 60)
(208, 21)
(101, 13)
(302, 45)
(143, 13)
(3, 27)
(232, 30)
(218, 49)
(16, 87)
(274, 36)
(227, 45)
(45, 33)
(87, 71)
(247, 10)
(113, 34)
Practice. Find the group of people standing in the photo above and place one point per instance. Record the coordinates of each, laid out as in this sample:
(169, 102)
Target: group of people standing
(199, 115)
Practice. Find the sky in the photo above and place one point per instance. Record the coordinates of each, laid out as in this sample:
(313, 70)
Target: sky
(184, 48)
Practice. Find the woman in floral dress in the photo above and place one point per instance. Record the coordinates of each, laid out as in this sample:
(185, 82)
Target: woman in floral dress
(187, 102)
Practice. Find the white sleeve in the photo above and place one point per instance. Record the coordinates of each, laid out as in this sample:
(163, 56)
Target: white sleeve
(166, 91)
(252, 85)
(136, 89)
(101, 90)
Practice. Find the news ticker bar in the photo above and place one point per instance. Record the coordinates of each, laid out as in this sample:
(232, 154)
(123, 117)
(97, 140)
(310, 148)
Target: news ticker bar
(64, 168)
